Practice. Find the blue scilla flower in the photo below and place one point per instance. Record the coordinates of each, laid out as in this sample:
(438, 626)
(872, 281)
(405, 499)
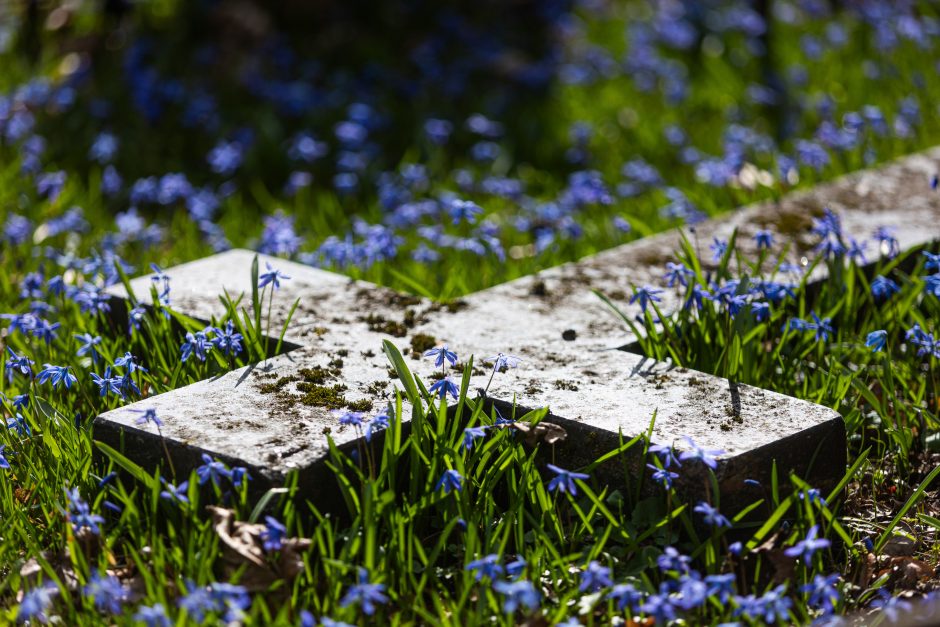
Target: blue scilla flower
(774, 605)
(659, 607)
(876, 340)
(662, 476)
(449, 481)
(706, 456)
(502, 361)
(564, 480)
(677, 273)
(486, 566)
(18, 364)
(107, 383)
(366, 594)
(79, 513)
(888, 243)
(19, 424)
(442, 353)
(666, 454)
(823, 593)
(516, 567)
(464, 211)
(718, 247)
(518, 594)
(808, 546)
(443, 387)
(107, 593)
(271, 276)
(883, 288)
(672, 560)
(470, 435)
(197, 344)
(595, 577)
(212, 469)
(4, 464)
(88, 346)
(645, 295)
(175, 492)
(626, 596)
(933, 261)
(823, 327)
(153, 616)
(711, 515)
(57, 375)
(376, 424)
(36, 603)
(147, 416)
(764, 239)
(273, 534)
(350, 418)
(720, 586)
(228, 341)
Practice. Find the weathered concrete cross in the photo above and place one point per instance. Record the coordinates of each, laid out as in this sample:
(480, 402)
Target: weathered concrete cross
(274, 418)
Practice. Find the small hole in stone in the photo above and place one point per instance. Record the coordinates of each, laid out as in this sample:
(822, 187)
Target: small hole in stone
(569, 335)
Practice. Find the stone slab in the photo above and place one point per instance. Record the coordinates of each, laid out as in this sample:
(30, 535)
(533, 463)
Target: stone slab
(553, 321)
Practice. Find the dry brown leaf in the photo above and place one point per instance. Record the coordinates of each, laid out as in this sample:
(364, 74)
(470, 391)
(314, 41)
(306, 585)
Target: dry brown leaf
(547, 432)
(243, 548)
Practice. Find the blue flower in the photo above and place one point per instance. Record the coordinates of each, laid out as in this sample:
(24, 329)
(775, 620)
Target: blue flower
(659, 607)
(713, 517)
(764, 239)
(564, 480)
(706, 456)
(823, 593)
(107, 592)
(79, 513)
(665, 453)
(443, 387)
(19, 424)
(350, 418)
(595, 577)
(718, 247)
(106, 383)
(514, 568)
(720, 586)
(56, 374)
(4, 464)
(823, 327)
(470, 434)
(464, 210)
(442, 353)
(212, 469)
(672, 560)
(677, 273)
(645, 295)
(89, 345)
(196, 344)
(502, 361)
(36, 603)
(770, 607)
(273, 534)
(271, 276)
(147, 415)
(377, 423)
(176, 493)
(883, 288)
(808, 546)
(154, 616)
(517, 594)
(876, 340)
(228, 341)
(366, 594)
(18, 364)
(626, 596)
(662, 476)
(486, 566)
(450, 480)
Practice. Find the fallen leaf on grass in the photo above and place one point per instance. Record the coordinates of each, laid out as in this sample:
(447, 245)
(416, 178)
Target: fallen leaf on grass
(243, 550)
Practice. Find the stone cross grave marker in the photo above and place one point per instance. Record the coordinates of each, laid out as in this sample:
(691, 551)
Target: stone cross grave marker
(568, 339)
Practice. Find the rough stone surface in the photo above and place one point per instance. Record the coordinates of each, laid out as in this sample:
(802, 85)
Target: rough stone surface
(566, 336)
